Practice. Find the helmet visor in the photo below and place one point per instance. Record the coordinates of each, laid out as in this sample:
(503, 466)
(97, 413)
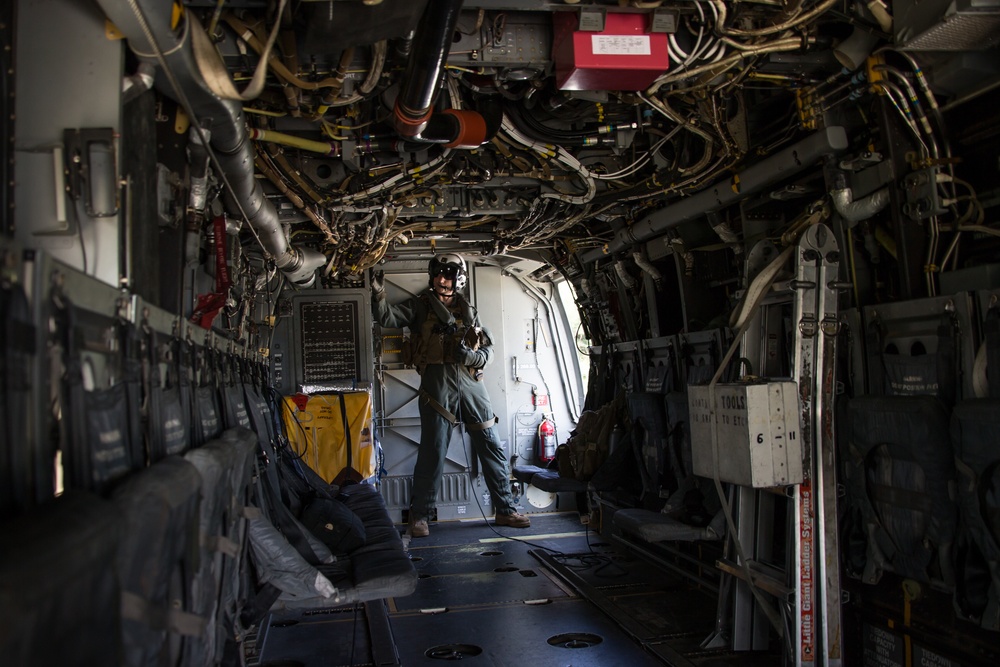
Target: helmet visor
(449, 271)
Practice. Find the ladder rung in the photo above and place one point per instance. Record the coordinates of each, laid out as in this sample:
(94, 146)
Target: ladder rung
(767, 579)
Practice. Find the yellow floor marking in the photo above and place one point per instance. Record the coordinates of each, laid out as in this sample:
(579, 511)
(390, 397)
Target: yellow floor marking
(532, 538)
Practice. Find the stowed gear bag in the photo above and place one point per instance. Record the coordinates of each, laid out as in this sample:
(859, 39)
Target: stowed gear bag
(332, 434)
(589, 444)
(103, 432)
(334, 524)
(234, 407)
(169, 415)
(207, 419)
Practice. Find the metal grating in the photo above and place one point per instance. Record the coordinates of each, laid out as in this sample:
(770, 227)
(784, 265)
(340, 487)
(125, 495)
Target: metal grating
(330, 341)
(959, 32)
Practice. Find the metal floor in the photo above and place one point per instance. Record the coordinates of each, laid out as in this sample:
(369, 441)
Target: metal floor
(489, 600)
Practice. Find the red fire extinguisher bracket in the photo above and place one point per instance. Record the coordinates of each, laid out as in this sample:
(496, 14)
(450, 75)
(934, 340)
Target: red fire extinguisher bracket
(539, 400)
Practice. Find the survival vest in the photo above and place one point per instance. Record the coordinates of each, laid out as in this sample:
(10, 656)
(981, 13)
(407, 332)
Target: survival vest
(436, 340)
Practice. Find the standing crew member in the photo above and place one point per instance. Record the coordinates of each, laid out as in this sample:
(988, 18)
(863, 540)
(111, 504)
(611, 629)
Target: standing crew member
(449, 350)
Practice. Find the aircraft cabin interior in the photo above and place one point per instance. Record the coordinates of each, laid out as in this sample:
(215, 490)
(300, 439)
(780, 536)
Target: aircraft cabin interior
(516, 332)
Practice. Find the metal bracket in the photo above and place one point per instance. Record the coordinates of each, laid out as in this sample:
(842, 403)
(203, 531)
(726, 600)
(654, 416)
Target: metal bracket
(91, 168)
(592, 19)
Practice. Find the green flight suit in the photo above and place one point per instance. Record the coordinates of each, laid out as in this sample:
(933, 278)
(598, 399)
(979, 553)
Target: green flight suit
(448, 388)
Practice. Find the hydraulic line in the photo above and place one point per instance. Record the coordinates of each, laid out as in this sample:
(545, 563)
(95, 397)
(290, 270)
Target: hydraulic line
(560, 154)
(773, 29)
(274, 60)
(328, 148)
(786, 44)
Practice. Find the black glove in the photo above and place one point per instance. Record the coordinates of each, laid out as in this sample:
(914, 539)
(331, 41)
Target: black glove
(378, 284)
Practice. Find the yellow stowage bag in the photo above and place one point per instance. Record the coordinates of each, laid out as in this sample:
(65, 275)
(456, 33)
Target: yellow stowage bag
(315, 428)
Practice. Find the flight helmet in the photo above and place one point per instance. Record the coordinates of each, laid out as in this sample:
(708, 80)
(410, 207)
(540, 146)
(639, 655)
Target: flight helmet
(452, 266)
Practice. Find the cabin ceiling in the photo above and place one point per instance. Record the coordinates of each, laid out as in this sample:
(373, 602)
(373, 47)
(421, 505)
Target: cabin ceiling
(504, 125)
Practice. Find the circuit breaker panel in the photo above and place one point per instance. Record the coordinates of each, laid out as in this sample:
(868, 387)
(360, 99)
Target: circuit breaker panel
(328, 345)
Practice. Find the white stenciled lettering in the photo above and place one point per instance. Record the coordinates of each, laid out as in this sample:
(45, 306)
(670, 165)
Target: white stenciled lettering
(928, 659)
(110, 437)
(110, 454)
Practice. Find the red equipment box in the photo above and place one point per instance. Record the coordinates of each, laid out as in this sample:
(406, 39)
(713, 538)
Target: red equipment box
(624, 56)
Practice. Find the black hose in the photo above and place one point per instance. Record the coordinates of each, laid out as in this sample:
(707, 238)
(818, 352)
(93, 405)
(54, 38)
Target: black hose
(431, 45)
(530, 125)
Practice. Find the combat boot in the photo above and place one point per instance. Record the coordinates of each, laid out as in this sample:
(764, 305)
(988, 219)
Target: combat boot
(515, 520)
(418, 528)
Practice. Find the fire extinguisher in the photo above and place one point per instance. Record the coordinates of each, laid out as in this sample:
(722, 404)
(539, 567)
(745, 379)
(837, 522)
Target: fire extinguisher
(547, 439)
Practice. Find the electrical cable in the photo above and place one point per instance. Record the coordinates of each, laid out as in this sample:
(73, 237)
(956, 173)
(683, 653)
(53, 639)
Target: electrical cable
(299, 456)
(595, 560)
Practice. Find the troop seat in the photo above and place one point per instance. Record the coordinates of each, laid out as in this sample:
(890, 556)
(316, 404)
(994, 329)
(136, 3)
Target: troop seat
(898, 463)
(899, 472)
(975, 426)
(652, 526)
(379, 569)
(548, 480)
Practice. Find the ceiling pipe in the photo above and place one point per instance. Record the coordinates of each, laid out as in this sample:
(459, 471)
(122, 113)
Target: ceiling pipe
(413, 115)
(144, 20)
(770, 171)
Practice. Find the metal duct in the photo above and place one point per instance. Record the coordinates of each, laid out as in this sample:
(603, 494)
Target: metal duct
(431, 44)
(772, 170)
(861, 209)
(143, 21)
